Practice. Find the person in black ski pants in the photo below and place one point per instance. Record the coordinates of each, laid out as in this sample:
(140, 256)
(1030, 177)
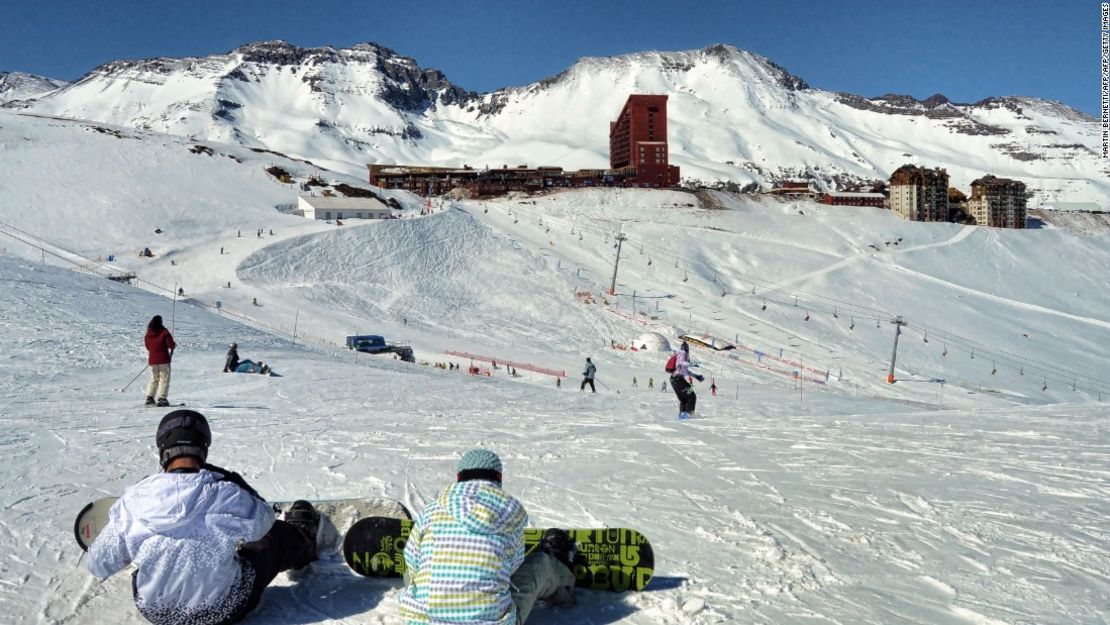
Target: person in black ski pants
(687, 399)
(204, 543)
(588, 376)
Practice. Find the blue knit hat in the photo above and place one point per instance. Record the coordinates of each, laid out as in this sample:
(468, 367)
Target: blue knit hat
(479, 464)
(479, 459)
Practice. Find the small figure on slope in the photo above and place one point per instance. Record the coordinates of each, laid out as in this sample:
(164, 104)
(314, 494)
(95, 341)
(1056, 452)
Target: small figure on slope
(232, 358)
(159, 347)
(204, 543)
(465, 555)
(588, 376)
(687, 399)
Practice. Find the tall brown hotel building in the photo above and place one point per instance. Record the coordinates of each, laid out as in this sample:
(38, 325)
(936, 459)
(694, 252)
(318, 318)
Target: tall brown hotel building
(638, 142)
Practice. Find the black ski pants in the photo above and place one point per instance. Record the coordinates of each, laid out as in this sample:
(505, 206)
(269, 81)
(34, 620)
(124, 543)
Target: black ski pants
(687, 399)
(283, 548)
(586, 381)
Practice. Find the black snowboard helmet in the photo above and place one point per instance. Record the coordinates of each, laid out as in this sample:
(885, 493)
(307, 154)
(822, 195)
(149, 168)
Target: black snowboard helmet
(183, 433)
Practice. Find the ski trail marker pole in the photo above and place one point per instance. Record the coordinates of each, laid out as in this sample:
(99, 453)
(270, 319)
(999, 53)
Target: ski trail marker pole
(135, 378)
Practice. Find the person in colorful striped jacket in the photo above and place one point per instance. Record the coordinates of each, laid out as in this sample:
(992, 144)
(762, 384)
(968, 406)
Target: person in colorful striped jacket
(465, 559)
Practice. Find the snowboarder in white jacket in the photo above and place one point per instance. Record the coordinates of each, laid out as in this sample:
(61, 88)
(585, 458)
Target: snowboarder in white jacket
(204, 543)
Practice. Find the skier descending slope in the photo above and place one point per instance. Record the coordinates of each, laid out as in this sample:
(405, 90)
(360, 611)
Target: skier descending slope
(588, 376)
(687, 399)
(205, 544)
(465, 555)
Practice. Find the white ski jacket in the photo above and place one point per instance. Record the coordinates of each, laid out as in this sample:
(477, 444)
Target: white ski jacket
(182, 531)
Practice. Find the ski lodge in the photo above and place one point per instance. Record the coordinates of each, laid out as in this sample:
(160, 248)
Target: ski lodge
(328, 208)
(638, 157)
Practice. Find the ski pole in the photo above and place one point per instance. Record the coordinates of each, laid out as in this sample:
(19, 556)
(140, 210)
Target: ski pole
(135, 378)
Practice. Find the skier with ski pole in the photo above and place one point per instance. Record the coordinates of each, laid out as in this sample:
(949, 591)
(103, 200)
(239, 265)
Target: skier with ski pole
(159, 346)
(588, 376)
(204, 543)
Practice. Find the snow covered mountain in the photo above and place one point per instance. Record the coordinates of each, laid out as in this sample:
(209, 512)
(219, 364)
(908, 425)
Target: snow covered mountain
(18, 86)
(733, 115)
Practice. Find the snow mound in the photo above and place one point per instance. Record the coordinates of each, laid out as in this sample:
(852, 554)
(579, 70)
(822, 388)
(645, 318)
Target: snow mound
(652, 342)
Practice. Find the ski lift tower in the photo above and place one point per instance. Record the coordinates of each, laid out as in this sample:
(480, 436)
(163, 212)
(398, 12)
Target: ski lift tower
(613, 286)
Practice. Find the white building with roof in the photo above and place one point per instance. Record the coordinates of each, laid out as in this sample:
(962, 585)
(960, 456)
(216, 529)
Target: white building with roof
(329, 208)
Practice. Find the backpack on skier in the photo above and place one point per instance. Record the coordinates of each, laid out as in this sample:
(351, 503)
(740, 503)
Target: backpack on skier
(671, 365)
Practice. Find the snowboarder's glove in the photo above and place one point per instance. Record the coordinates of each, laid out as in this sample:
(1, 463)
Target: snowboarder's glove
(699, 378)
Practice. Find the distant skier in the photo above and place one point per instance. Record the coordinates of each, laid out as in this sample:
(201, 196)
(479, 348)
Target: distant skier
(181, 291)
(588, 376)
(159, 346)
(634, 382)
(204, 543)
(465, 554)
(687, 399)
(558, 382)
(651, 383)
(232, 358)
(713, 387)
(663, 386)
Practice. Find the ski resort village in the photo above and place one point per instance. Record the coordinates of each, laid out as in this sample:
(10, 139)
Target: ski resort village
(665, 338)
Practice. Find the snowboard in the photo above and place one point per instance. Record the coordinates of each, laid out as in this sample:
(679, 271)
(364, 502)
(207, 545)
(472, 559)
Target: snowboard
(337, 516)
(611, 558)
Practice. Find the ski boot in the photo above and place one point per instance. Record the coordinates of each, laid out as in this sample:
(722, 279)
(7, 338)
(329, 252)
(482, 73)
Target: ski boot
(558, 544)
(163, 402)
(682, 416)
(150, 401)
(304, 517)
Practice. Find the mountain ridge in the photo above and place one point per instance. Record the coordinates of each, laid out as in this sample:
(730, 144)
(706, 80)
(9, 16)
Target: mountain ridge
(734, 116)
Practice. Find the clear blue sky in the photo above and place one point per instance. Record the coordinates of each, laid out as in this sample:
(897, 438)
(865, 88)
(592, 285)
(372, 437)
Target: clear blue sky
(967, 49)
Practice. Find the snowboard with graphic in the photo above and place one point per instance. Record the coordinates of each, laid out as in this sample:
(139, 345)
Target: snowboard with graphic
(612, 558)
(337, 516)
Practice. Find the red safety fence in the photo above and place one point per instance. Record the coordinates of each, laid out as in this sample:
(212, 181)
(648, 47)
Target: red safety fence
(509, 363)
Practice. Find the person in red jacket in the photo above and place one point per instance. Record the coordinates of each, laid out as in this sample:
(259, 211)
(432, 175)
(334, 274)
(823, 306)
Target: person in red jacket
(159, 347)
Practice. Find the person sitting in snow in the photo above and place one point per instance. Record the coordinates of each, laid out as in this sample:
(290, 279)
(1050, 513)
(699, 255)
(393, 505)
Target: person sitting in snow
(249, 366)
(465, 554)
(204, 543)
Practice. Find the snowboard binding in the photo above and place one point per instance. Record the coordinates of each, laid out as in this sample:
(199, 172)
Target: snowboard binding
(558, 544)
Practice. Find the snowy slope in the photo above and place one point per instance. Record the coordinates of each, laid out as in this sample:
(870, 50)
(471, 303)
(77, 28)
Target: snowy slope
(20, 86)
(841, 510)
(1009, 313)
(732, 115)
